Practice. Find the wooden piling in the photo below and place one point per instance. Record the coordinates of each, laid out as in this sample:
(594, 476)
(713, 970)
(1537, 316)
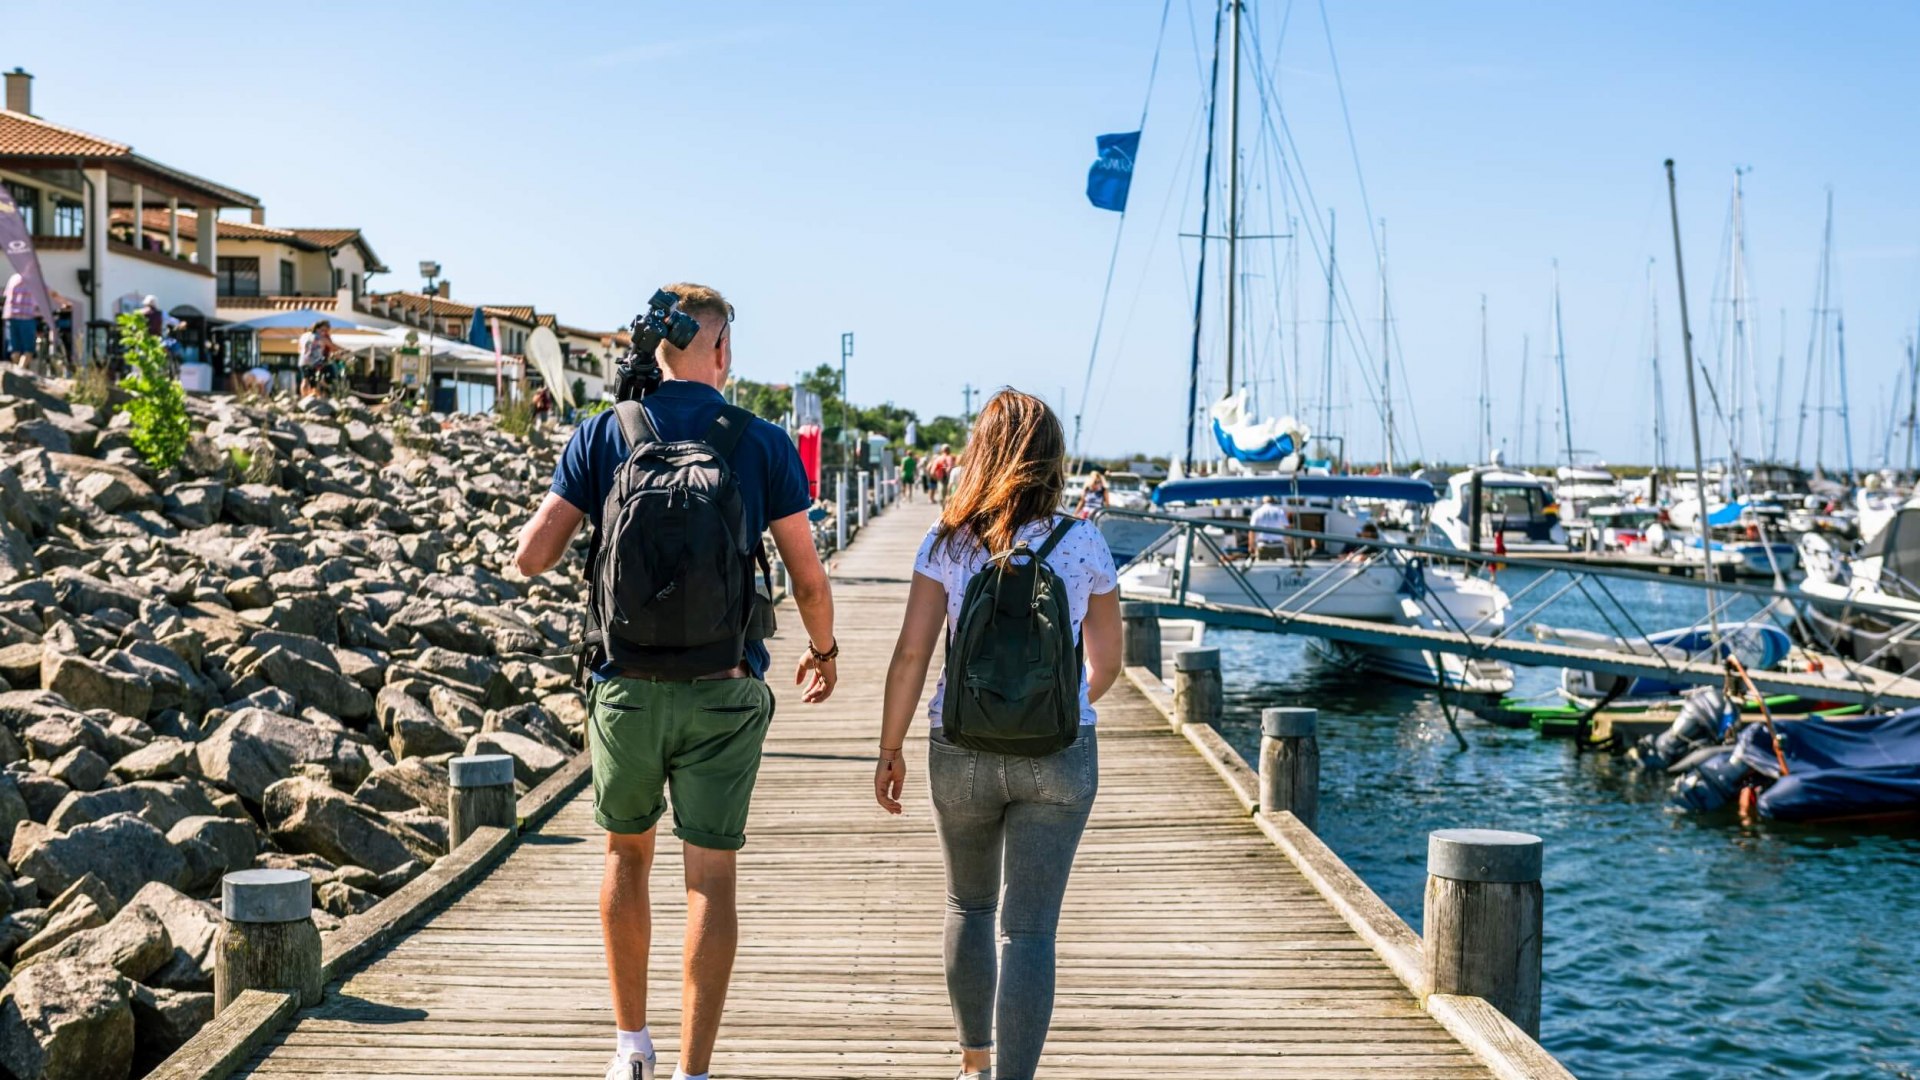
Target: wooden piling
(1140, 636)
(267, 940)
(1483, 920)
(1197, 694)
(1290, 763)
(479, 793)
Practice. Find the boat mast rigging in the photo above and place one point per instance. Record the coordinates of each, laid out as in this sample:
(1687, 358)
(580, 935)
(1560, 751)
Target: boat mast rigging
(1693, 407)
(1386, 354)
(1560, 361)
(1200, 278)
(1233, 187)
(1486, 390)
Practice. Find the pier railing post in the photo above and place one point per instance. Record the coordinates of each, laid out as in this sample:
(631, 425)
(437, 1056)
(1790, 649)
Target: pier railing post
(860, 491)
(480, 793)
(1197, 693)
(840, 512)
(1483, 920)
(1140, 636)
(1290, 763)
(267, 940)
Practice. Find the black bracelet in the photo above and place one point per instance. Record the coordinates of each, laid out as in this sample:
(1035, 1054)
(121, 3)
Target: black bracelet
(823, 657)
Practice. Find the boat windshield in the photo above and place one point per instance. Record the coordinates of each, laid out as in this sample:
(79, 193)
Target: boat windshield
(1514, 502)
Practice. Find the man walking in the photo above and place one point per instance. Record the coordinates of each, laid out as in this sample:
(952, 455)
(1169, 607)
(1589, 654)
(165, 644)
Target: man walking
(699, 736)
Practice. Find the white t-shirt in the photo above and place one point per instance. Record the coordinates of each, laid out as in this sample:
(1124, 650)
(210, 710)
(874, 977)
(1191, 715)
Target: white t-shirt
(1268, 516)
(1082, 560)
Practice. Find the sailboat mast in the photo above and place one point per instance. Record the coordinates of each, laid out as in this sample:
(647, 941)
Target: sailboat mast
(1200, 278)
(1386, 354)
(1846, 426)
(1659, 403)
(1693, 410)
(1820, 313)
(1233, 186)
(1520, 429)
(1560, 360)
(1779, 386)
(1486, 403)
(1326, 367)
(1913, 397)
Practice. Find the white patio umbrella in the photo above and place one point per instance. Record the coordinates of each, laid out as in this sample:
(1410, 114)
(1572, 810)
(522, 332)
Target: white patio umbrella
(292, 320)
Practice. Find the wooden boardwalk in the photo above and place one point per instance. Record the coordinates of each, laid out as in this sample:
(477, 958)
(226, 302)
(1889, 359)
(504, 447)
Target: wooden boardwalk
(1190, 945)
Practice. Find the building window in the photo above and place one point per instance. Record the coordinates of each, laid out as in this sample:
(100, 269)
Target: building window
(286, 278)
(336, 279)
(28, 200)
(69, 217)
(356, 286)
(239, 275)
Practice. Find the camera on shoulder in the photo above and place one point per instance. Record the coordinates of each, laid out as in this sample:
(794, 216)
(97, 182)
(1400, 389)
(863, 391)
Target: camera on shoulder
(662, 321)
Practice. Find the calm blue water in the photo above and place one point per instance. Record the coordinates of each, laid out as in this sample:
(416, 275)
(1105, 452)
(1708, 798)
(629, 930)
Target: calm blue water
(1675, 947)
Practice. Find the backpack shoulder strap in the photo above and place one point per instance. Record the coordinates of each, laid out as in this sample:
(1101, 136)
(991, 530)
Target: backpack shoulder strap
(635, 424)
(1058, 534)
(727, 429)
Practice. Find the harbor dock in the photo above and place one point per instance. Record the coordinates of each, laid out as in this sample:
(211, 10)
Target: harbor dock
(1193, 940)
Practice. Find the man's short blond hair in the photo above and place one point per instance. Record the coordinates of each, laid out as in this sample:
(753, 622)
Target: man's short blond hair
(703, 302)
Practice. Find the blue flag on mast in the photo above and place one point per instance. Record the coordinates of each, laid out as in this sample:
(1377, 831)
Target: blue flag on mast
(1112, 172)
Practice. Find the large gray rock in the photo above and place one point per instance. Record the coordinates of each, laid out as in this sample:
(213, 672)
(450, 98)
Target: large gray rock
(174, 682)
(191, 926)
(412, 729)
(161, 803)
(305, 816)
(235, 840)
(80, 769)
(195, 505)
(84, 594)
(444, 627)
(163, 1021)
(257, 504)
(13, 807)
(533, 761)
(165, 758)
(411, 783)
(17, 561)
(134, 943)
(20, 664)
(67, 1020)
(123, 851)
(89, 684)
(77, 915)
(253, 749)
(321, 687)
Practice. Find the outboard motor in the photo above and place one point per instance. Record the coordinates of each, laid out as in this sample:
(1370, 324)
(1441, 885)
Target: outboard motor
(1703, 721)
(1713, 782)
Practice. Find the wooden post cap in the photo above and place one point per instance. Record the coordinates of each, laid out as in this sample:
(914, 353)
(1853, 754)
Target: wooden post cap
(1201, 659)
(480, 770)
(267, 896)
(1289, 722)
(1137, 609)
(1483, 855)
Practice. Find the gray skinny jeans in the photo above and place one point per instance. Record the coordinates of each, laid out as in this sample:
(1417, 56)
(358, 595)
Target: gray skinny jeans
(1026, 815)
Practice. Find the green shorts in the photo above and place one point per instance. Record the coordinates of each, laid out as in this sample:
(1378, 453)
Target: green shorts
(701, 739)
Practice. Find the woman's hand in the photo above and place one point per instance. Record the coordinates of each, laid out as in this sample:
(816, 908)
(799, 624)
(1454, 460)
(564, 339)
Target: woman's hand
(889, 780)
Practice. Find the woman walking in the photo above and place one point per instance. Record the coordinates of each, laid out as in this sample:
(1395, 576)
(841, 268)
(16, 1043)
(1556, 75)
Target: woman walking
(995, 810)
(1094, 498)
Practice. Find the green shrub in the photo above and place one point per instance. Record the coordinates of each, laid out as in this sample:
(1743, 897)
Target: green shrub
(158, 403)
(90, 386)
(516, 415)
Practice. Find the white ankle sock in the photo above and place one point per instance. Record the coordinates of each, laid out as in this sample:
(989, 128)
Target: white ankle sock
(640, 1042)
(680, 1074)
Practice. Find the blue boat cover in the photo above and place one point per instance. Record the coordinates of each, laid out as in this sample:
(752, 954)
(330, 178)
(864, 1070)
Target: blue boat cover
(1294, 485)
(1839, 768)
(1273, 450)
(1727, 515)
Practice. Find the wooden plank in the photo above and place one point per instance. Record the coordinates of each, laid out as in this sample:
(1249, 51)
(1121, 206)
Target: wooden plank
(230, 1038)
(362, 935)
(1188, 944)
(538, 805)
(1486, 1031)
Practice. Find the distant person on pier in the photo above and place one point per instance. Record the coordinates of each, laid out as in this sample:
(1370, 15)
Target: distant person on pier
(908, 465)
(942, 472)
(1013, 814)
(655, 724)
(1094, 498)
(542, 406)
(22, 321)
(156, 318)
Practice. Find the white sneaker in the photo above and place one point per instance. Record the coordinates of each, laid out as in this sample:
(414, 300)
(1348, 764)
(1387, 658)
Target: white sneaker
(632, 1065)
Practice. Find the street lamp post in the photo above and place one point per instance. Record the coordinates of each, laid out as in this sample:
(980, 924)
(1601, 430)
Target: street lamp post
(846, 350)
(429, 270)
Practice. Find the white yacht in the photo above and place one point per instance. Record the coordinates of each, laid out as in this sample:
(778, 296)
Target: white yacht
(1514, 511)
(1579, 488)
(1869, 601)
(1337, 575)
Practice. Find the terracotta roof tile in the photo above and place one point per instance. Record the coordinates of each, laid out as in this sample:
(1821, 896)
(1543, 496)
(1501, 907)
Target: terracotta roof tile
(280, 303)
(24, 134)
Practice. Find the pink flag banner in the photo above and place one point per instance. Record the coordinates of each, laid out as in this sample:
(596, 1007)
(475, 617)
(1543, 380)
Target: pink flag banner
(20, 254)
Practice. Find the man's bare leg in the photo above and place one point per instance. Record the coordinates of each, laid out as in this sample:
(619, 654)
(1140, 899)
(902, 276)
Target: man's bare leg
(626, 924)
(713, 933)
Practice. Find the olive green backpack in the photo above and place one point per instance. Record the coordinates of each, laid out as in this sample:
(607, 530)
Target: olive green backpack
(1013, 660)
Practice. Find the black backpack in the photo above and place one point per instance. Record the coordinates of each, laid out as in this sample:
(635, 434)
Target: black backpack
(1013, 660)
(670, 571)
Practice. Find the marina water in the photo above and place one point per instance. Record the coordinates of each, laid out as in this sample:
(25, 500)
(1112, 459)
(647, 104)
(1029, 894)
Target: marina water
(1675, 946)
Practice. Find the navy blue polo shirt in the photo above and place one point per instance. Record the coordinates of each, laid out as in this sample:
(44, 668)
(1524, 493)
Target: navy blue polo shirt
(772, 482)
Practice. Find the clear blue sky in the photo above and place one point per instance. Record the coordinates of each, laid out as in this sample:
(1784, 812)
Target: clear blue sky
(914, 173)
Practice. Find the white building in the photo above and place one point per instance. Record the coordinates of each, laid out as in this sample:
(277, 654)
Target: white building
(69, 184)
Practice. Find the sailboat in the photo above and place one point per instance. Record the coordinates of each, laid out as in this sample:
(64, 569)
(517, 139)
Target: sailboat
(1334, 572)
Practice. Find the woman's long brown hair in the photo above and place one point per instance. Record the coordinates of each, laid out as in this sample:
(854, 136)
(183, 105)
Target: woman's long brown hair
(1012, 472)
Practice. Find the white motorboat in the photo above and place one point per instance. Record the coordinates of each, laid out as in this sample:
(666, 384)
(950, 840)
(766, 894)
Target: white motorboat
(1337, 574)
(1866, 605)
(1492, 508)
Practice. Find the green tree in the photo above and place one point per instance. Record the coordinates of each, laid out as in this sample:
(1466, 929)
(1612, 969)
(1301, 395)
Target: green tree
(157, 402)
(762, 399)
